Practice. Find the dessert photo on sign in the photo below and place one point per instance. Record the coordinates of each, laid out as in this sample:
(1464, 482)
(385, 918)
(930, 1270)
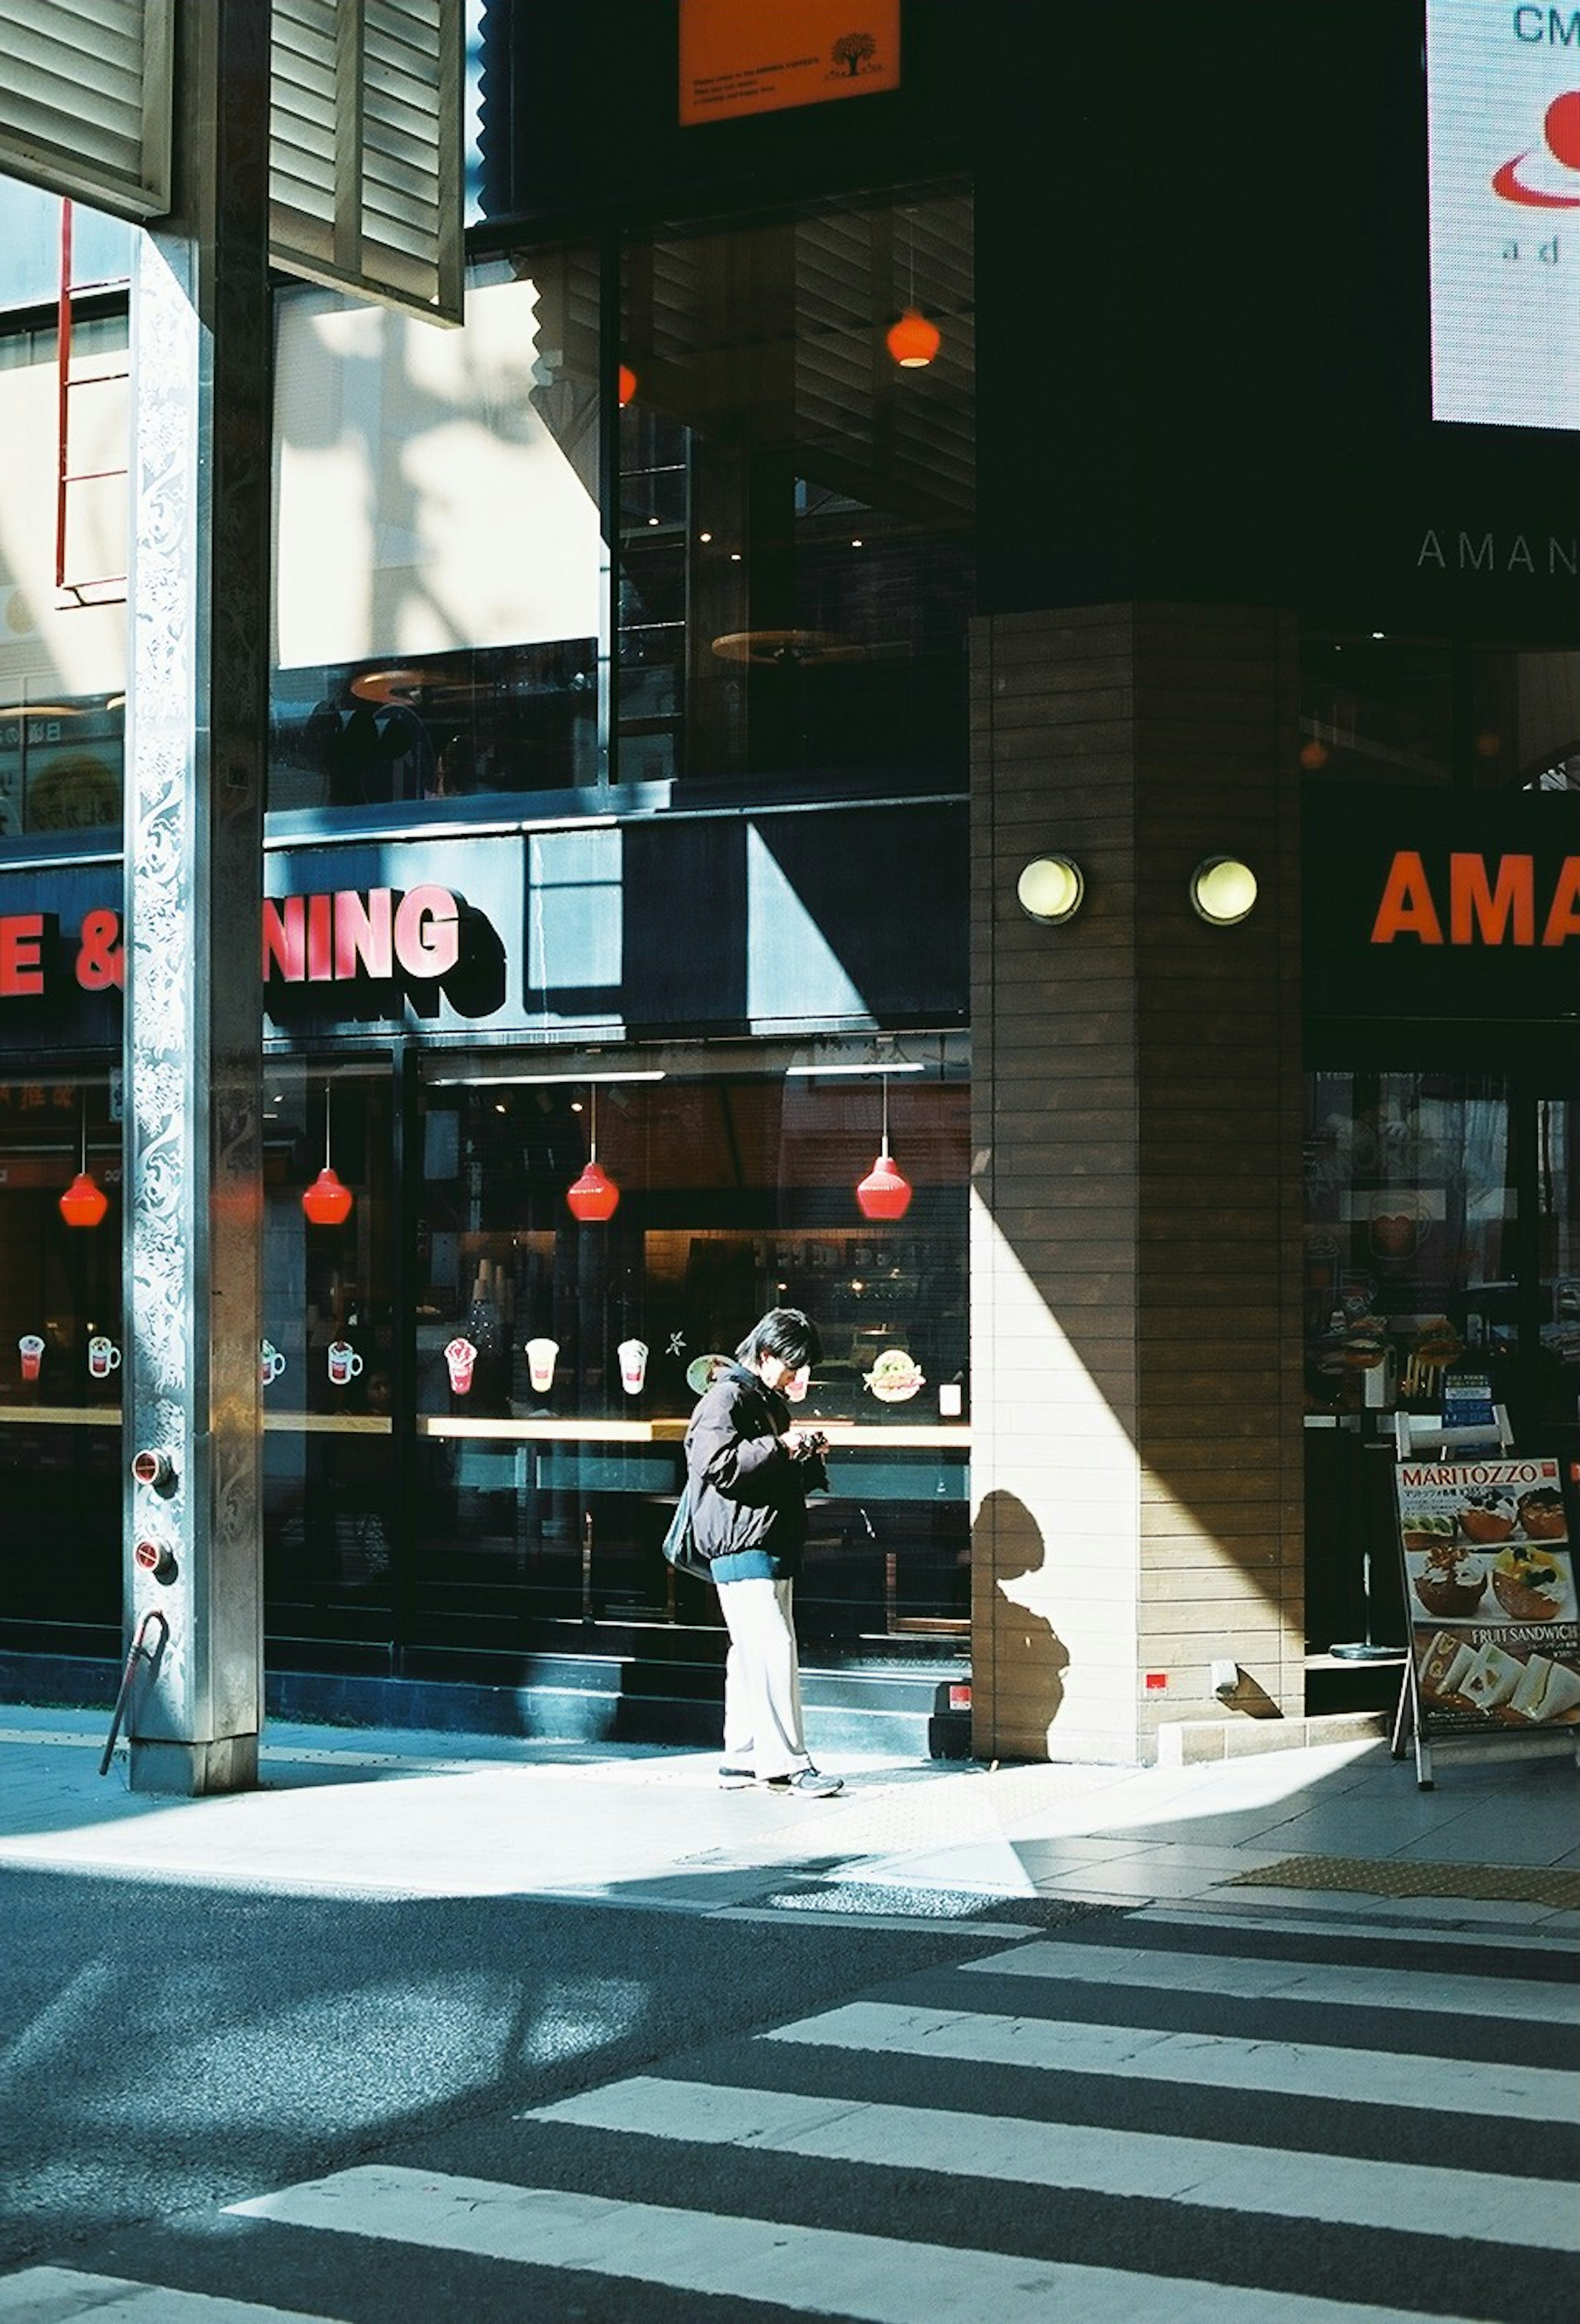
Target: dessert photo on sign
(1525, 1584)
(1486, 1543)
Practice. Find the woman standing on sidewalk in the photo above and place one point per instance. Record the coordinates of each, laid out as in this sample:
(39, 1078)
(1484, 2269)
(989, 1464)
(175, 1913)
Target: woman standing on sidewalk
(749, 1472)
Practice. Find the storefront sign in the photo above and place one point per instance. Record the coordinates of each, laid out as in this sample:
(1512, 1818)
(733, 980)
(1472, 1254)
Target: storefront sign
(1503, 112)
(778, 53)
(564, 932)
(381, 934)
(318, 939)
(1489, 1583)
(1481, 902)
(1437, 903)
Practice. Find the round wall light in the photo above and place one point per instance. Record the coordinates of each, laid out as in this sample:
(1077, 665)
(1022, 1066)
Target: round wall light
(1223, 890)
(1050, 890)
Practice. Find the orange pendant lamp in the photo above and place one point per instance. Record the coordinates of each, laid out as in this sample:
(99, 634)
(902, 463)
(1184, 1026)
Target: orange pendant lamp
(327, 1201)
(625, 383)
(884, 1193)
(84, 1202)
(594, 1197)
(913, 341)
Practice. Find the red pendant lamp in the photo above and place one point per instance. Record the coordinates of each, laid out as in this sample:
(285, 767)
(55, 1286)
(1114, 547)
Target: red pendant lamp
(595, 1195)
(884, 1194)
(84, 1202)
(327, 1201)
(913, 341)
(625, 381)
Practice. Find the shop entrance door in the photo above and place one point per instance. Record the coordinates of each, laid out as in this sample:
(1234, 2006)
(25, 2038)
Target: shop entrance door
(1442, 1233)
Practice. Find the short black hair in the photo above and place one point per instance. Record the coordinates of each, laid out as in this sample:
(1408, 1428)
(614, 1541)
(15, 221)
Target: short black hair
(787, 1333)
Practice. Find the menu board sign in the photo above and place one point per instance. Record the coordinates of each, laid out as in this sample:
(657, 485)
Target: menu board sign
(1489, 1583)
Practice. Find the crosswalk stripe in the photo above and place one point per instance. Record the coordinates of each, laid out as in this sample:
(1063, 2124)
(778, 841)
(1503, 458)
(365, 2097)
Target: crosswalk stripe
(810, 2271)
(1205, 2175)
(57, 2295)
(1258, 1979)
(1204, 2060)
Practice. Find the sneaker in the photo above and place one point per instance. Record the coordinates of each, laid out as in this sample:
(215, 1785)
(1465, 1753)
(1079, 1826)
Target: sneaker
(735, 1779)
(810, 1784)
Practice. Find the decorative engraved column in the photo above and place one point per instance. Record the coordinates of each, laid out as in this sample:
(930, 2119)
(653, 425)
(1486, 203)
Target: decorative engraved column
(196, 724)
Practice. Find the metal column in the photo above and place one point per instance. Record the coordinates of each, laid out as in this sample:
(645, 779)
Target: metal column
(196, 725)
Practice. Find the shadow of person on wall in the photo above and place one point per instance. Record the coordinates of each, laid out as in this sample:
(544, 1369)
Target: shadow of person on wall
(1028, 1658)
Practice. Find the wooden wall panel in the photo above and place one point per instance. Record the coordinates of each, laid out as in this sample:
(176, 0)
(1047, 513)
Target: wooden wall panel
(1136, 1128)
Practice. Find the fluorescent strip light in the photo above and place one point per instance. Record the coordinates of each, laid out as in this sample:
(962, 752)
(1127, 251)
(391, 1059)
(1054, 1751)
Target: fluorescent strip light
(808, 1072)
(531, 1081)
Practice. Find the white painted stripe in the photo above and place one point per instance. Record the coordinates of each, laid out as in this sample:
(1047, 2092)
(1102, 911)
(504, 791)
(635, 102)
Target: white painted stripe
(1225, 1918)
(57, 2295)
(1247, 1978)
(1210, 2174)
(811, 2271)
(1210, 2061)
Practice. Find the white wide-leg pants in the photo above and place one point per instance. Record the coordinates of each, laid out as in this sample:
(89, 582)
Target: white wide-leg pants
(762, 1679)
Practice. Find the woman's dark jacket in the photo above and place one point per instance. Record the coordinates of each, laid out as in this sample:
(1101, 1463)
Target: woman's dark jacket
(748, 1506)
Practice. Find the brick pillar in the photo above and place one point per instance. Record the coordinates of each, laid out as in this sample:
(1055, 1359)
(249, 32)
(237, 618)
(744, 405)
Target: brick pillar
(1135, 1318)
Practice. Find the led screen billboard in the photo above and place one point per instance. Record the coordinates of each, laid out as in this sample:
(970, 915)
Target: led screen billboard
(1503, 130)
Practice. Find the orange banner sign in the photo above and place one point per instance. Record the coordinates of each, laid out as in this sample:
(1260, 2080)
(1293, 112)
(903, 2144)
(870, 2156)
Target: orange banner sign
(764, 56)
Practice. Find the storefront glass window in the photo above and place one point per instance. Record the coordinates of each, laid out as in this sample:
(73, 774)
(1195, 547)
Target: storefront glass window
(440, 570)
(793, 508)
(1393, 710)
(1443, 1229)
(329, 1361)
(62, 1348)
(558, 1359)
(1442, 1247)
(1527, 720)
(63, 651)
(796, 505)
(1377, 710)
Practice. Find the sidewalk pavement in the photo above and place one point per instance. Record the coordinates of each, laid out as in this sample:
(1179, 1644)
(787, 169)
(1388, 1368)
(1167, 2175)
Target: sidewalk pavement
(1335, 1832)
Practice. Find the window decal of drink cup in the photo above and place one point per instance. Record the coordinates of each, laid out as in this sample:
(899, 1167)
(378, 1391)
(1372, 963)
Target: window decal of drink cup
(540, 1359)
(103, 1357)
(271, 1363)
(633, 1354)
(345, 1363)
(31, 1349)
(460, 1356)
(1396, 1223)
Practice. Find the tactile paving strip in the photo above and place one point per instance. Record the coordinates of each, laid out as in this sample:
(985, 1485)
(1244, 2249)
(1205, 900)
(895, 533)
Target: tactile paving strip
(1496, 1883)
